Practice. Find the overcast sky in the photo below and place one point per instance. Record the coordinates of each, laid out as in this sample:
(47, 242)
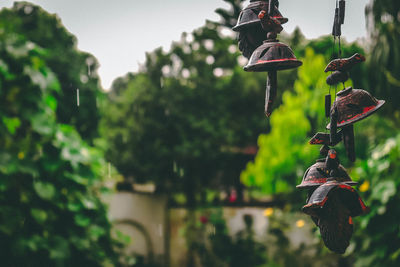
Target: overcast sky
(119, 32)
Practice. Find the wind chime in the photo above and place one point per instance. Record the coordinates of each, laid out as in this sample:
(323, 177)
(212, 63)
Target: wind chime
(332, 202)
(258, 26)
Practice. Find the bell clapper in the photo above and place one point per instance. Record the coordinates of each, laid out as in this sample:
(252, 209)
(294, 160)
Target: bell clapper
(271, 90)
(333, 130)
(328, 101)
(348, 140)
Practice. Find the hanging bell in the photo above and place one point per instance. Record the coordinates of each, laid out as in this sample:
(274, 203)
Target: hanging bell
(347, 194)
(319, 174)
(251, 32)
(272, 56)
(332, 207)
(249, 15)
(353, 105)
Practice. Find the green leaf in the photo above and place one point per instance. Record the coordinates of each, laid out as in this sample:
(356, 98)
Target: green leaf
(12, 124)
(59, 248)
(44, 190)
(74, 206)
(42, 124)
(39, 215)
(51, 102)
(96, 232)
(82, 220)
(383, 191)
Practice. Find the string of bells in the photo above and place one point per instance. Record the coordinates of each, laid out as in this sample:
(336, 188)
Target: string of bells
(332, 203)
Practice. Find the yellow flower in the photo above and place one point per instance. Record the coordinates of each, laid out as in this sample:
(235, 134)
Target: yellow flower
(21, 155)
(268, 212)
(364, 187)
(300, 223)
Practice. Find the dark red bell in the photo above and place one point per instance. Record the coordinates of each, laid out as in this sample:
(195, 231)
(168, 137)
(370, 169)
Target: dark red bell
(249, 15)
(319, 174)
(346, 193)
(332, 207)
(272, 56)
(353, 105)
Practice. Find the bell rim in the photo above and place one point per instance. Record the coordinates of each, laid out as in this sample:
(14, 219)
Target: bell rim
(274, 65)
(239, 27)
(361, 117)
(312, 184)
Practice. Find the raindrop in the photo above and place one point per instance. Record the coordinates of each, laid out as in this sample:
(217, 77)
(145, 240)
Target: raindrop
(77, 96)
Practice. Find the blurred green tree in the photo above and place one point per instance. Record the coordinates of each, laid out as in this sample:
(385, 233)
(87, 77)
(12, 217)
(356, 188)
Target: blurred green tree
(74, 69)
(50, 179)
(190, 118)
(284, 152)
(377, 239)
(384, 65)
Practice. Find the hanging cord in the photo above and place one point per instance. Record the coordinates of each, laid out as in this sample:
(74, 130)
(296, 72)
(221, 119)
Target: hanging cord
(335, 33)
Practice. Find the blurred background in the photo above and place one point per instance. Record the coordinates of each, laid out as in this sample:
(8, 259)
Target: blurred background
(173, 163)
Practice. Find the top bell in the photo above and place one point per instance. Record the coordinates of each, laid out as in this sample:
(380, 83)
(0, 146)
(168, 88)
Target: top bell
(272, 56)
(353, 105)
(249, 15)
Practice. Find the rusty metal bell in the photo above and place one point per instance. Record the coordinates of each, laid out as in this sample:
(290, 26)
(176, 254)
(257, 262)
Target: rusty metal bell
(249, 15)
(272, 56)
(319, 174)
(353, 105)
(332, 207)
(346, 193)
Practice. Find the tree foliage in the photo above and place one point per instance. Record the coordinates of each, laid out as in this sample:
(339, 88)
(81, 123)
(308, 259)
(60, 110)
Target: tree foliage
(377, 241)
(284, 152)
(384, 65)
(73, 69)
(186, 119)
(50, 208)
